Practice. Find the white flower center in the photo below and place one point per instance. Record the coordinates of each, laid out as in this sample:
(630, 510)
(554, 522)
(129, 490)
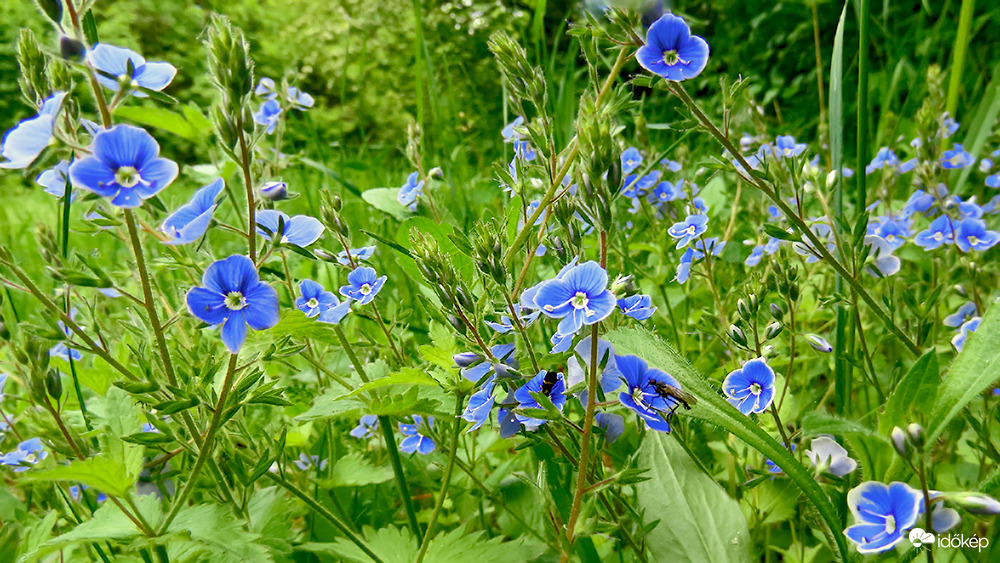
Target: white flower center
(690, 230)
(890, 524)
(938, 236)
(671, 58)
(127, 177)
(365, 289)
(312, 303)
(973, 239)
(755, 388)
(235, 301)
(580, 300)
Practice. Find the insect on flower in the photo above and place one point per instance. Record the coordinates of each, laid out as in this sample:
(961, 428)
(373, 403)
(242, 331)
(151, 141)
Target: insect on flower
(670, 392)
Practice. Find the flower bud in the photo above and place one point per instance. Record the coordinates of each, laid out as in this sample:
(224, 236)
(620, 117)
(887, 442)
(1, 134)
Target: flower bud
(901, 442)
(71, 49)
(819, 344)
(274, 191)
(738, 336)
(436, 173)
(743, 309)
(773, 330)
(976, 503)
(53, 384)
(768, 352)
(916, 435)
(777, 312)
(466, 359)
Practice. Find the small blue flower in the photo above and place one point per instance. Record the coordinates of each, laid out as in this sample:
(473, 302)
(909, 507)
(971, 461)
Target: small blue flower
(827, 456)
(363, 285)
(885, 262)
(672, 165)
(307, 462)
(523, 150)
(967, 328)
(265, 87)
(576, 371)
(316, 301)
(937, 234)
(474, 366)
(479, 407)
(581, 297)
(948, 125)
(28, 452)
(541, 383)
(687, 259)
(509, 133)
(191, 220)
(964, 313)
(772, 467)
(637, 306)
(613, 425)
(787, 147)
(300, 230)
(894, 232)
(665, 192)
(366, 427)
(957, 157)
(125, 166)
(108, 59)
(671, 51)
(750, 388)
(62, 350)
(274, 191)
(919, 202)
(631, 159)
(358, 254)
(526, 316)
(884, 158)
(23, 143)
(882, 514)
(689, 229)
(299, 99)
(993, 180)
(234, 297)
(638, 187)
(410, 191)
(971, 234)
(505, 417)
(414, 441)
(641, 394)
(54, 179)
(268, 114)
(560, 342)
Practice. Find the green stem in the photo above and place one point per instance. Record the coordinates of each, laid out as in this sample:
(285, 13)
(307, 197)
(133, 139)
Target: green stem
(862, 155)
(248, 184)
(958, 59)
(207, 445)
(445, 481)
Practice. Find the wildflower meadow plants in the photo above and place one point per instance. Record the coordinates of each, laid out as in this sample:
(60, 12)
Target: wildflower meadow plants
(617, 342)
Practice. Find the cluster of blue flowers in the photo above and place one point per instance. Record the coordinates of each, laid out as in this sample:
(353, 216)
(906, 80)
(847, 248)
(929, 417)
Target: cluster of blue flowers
(269, 113)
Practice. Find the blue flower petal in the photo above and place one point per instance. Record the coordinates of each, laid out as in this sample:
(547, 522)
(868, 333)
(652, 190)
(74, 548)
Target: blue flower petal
(207, 305)
(234, 331)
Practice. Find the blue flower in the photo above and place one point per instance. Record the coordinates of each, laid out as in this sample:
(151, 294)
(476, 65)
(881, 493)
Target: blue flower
(523, 150)
(125, 166)
(54, 179)
(479, 407)
(885, 262)
(882, 514)
(993, 180)
(665, 191)
(787, 147)
(689, 229)
(774, 468)
(576, 371)
(919, 202)
(268, 114)
(671, 51)
(971, 234)
(505, 325)
(300, 230)
(641, 394)
(631, 159)
(894, 232)
(414, 441)
(684, 267)
(358, 254)
(581, 297)
(62, 350)
(637, 306)
(750, 388)
(638, 187)
(552, 386)
(474, 366)
(560, 342)
(964, 313)
(672, 165)
(234, 297)
(191, 220)
(299, 99)
(505, 417)
(411, 190)
(23, 143)
(316, 301)
(509, 133)
(28, 452)
(363, 285)
(938, 233)
(108, 59)
(306, 462)
(957, 157)
(827, 456)
(366, 427)
(274, 191)
(884, 158)
(967, 328)
(613, 425)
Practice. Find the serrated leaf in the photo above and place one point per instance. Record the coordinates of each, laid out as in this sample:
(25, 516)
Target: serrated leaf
(215, 527)
(103, 473)
(401, 405)
(355, 470)
(406, 376)
(327, 405)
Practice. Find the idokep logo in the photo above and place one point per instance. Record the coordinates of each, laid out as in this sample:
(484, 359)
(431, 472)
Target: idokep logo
(919, 537)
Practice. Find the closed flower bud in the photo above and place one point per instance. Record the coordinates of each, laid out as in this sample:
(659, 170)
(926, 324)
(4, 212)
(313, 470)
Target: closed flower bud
(436, 173)
(464, 300)
(457, 324)
(901, 442)
(916, 434)
(71, 49)
(738, 336)
(623, 285)
(743, 309)
(777, 312)
(819, 344)
(53, 384)
(466, 359)
(274, 191)
(324, 255)
(773, 330)
(768, 352)
(976, 503)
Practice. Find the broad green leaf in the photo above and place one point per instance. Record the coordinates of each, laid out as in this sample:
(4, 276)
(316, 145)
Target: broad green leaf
(384, 199)
(817, 423)
(327, 405)
(296, 324)
(406, 376)
(402, 405)
(972, 372)
(215, 527)
(354, 470)
(102, 473)
(167, 120)
(913, 394)
(714, 408)
(698, 520)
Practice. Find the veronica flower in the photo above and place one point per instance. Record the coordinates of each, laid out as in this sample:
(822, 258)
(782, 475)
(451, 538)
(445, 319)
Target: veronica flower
(882, 514)
(28, 452)
(964, 313)
(299, 99)
(576, 371)
(524, 315)
(125, 166)
(410, 191)
(274, 191)
(117, 62)
(942, 517)
(993, 180)
(886, 264)
(550, 384)
(631, 159)
(894, 232)
(191, 220)
(957, 157)
(830, 457)
(366, 427)
(300, 230)
(665, 192)
(233, 296)
(523, 150)
(774, 468)
(61, 349)
(506, 419)
(479, 407)
(316, 301)
(642, 396)
(671, 51)
(672, 165)
(787, 147)
(684, 267)
(510, 133)
(759, 250)
(23, 143)
(884, 158)
(581, 297)
(268, 114)
(305, 462)
(613, 425)
(363, 285)
(971, 234)
(474, 366)
(639, 307)
(358, 254)
(54, 179)
(689, 229)
(967, 328)
(750, 388)
(938, 233)
(415, 441)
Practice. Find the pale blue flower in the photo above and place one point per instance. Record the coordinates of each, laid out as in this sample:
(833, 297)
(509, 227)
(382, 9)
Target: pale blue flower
(23, 143)
(191, 220)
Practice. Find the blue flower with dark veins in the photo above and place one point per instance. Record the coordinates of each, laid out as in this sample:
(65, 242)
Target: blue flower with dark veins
(971, 234)
(642, 395)
(316, 301)
(22, 144)
(268, 114)
(689, 229)
(415, 441)
(124, 165)
(580, 297)
(882, 515)
(671, 51)
(300, 230)
(639, 307)
(366, 427)
(550, 384)
(363, 285)
(191, 220)
(750, 388)
(233, 296)
(116, 61)
(938, 233)
(479, 407)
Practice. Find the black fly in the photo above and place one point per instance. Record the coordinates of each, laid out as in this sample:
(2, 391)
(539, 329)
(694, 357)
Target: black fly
(671, 392)
(549, 382)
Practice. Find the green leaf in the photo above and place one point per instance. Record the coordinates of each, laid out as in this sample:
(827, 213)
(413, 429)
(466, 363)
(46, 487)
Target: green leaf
(177, 123)
(327, 405)
(384, 199)
(215, 527)
(296, 324)
(714, 408)
(400, 405)
(973, 371)
(702, 522)
(102, 473)
(354, 470)
(914, 394)
(108, 523)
